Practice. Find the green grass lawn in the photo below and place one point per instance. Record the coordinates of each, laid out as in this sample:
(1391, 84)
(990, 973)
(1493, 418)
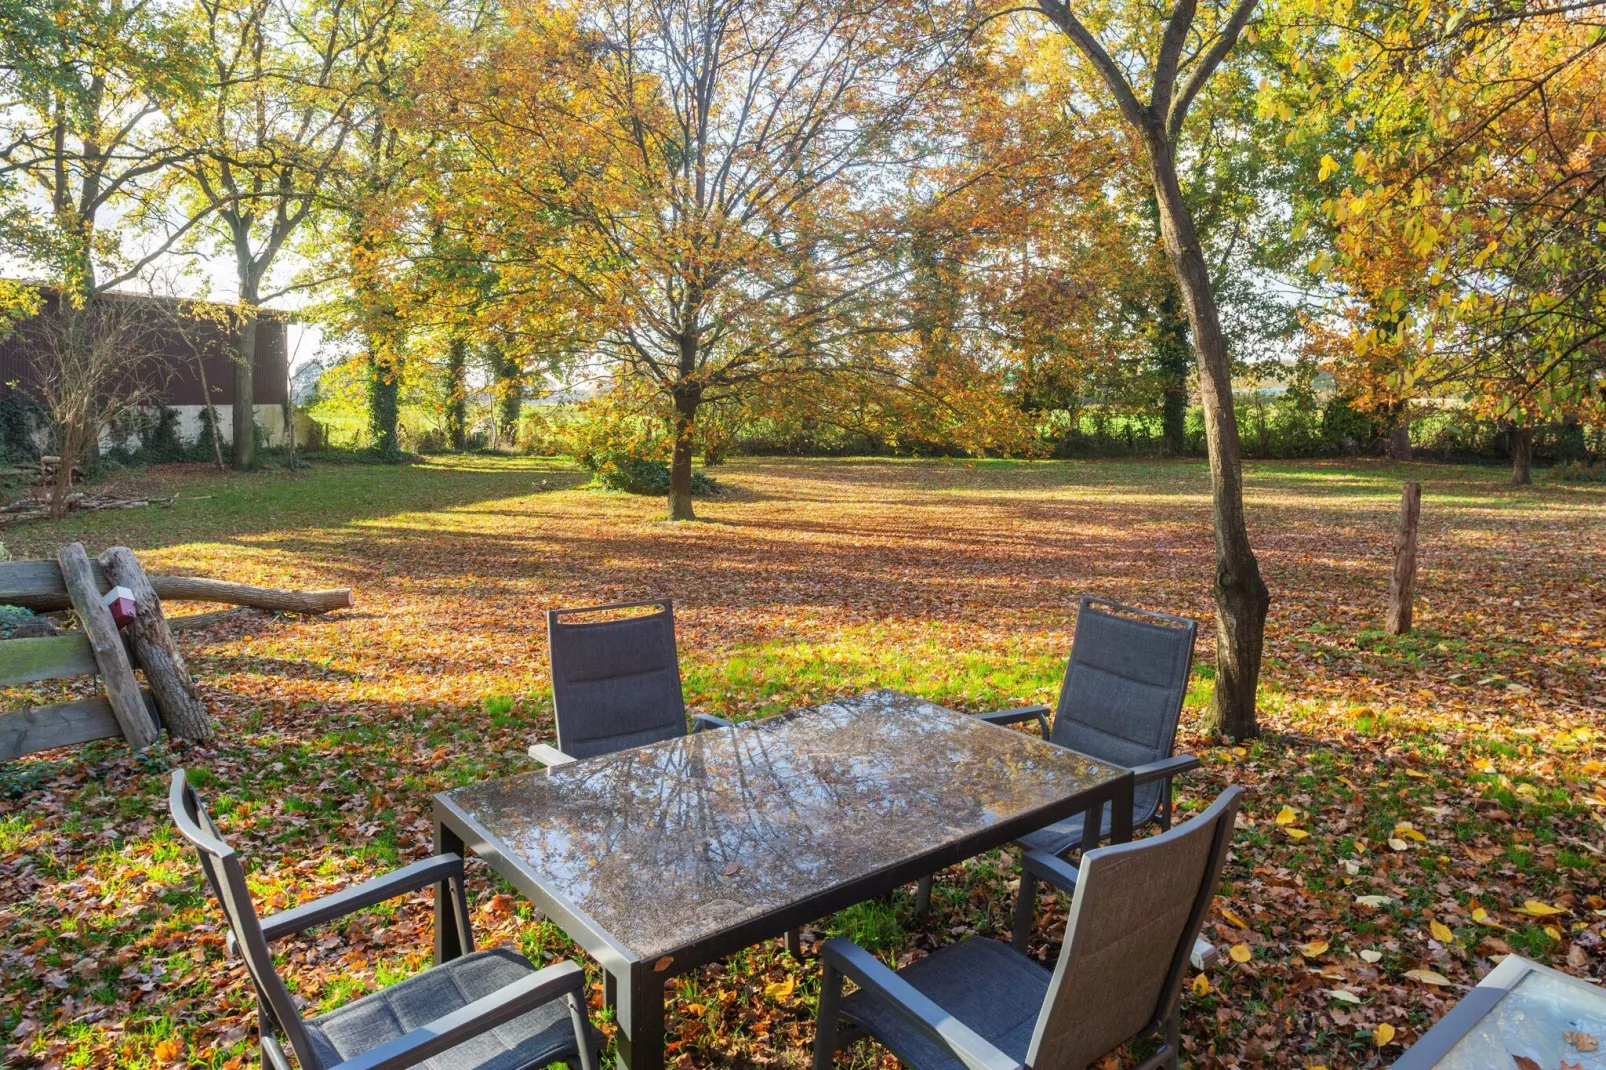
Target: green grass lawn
(1477, 745)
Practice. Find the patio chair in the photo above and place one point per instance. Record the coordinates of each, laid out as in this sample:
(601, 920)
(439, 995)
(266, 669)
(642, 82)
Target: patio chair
(1120, 701)
(615, 683)
(980, 1005)
(485, 1010)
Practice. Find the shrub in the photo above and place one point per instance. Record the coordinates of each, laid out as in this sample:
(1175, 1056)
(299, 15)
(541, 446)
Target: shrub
(1580, 472)
(158, 436)
(641, 475)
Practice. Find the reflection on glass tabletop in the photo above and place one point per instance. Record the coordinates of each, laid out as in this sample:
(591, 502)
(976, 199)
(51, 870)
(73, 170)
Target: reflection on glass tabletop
(1546, 1022)
(664, 844)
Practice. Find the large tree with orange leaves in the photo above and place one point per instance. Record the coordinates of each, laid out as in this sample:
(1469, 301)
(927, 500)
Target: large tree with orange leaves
(704, 184)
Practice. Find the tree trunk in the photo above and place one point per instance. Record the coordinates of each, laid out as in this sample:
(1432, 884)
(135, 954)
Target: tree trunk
(1402, 592)
(1241, 596)
(1522, 455)
(61, 485)
(457, 392)
(680, 465)
(509, 396)
(1399, 443)
(211, 413)
(183, 713)
(1171, 359)
(384, 405)
(245, 445)
(290, 416)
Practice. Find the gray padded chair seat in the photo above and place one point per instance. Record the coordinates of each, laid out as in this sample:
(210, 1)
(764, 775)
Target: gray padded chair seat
(543, 1036)
(1061, 836)
(989, 986)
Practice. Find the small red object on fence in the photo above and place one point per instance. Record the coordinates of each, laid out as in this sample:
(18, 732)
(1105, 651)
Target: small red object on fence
(120, 601)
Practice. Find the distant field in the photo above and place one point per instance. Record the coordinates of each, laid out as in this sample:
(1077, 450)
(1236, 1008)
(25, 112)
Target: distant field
(808, 579)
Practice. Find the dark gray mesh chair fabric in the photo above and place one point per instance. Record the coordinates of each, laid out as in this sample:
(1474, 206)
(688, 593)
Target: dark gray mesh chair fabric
(1135, 913)
(1120, 702)
(983, 983)
(490, 1010)
(542, 1036)
(1123, 691)
(615, 683)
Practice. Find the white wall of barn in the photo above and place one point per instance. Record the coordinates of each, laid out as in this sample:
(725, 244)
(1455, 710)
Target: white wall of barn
(191, 426)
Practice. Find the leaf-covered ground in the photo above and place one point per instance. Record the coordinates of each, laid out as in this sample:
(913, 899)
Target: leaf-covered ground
(1417, 806)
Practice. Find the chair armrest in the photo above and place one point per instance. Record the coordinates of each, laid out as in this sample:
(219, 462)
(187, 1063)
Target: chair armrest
(1056, 871)
(550, 757)
(880, 982)
(483, 1015)
(1165, 768)
(1017, 715)
(358, 896)
(700, 721)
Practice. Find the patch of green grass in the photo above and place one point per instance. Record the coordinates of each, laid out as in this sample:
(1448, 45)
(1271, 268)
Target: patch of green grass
(872, 925)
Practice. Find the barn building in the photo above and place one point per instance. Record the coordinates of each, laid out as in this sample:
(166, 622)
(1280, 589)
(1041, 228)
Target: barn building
(173, 348)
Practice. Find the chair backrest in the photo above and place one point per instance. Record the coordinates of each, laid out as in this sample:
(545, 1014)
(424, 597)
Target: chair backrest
(1137, 910)
(1123, 689)
(224, 873)
(615, 683)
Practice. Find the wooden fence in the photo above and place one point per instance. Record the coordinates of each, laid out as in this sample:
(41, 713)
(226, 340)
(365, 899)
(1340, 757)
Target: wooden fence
(126, 710)
(59, 724)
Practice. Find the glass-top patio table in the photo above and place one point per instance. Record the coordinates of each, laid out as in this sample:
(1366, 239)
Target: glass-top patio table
(661, 858)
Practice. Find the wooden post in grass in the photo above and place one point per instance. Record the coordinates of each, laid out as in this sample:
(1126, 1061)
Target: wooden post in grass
(116, 674)
(176, 696)
(1402, 592)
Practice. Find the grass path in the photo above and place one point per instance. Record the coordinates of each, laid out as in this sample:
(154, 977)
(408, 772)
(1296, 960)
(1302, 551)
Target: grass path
(1477, 745)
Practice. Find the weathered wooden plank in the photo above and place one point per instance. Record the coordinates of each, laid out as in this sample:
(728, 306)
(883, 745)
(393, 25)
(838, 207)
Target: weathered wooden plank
(60, 724)
(116, 674)
(38, 585)
(22, 661)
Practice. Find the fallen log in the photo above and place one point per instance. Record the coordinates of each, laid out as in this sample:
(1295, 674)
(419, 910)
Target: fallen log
(25, 509)
(37, 585)
(196, 589)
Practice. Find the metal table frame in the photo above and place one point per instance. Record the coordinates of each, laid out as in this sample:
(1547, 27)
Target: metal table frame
(635, 986)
